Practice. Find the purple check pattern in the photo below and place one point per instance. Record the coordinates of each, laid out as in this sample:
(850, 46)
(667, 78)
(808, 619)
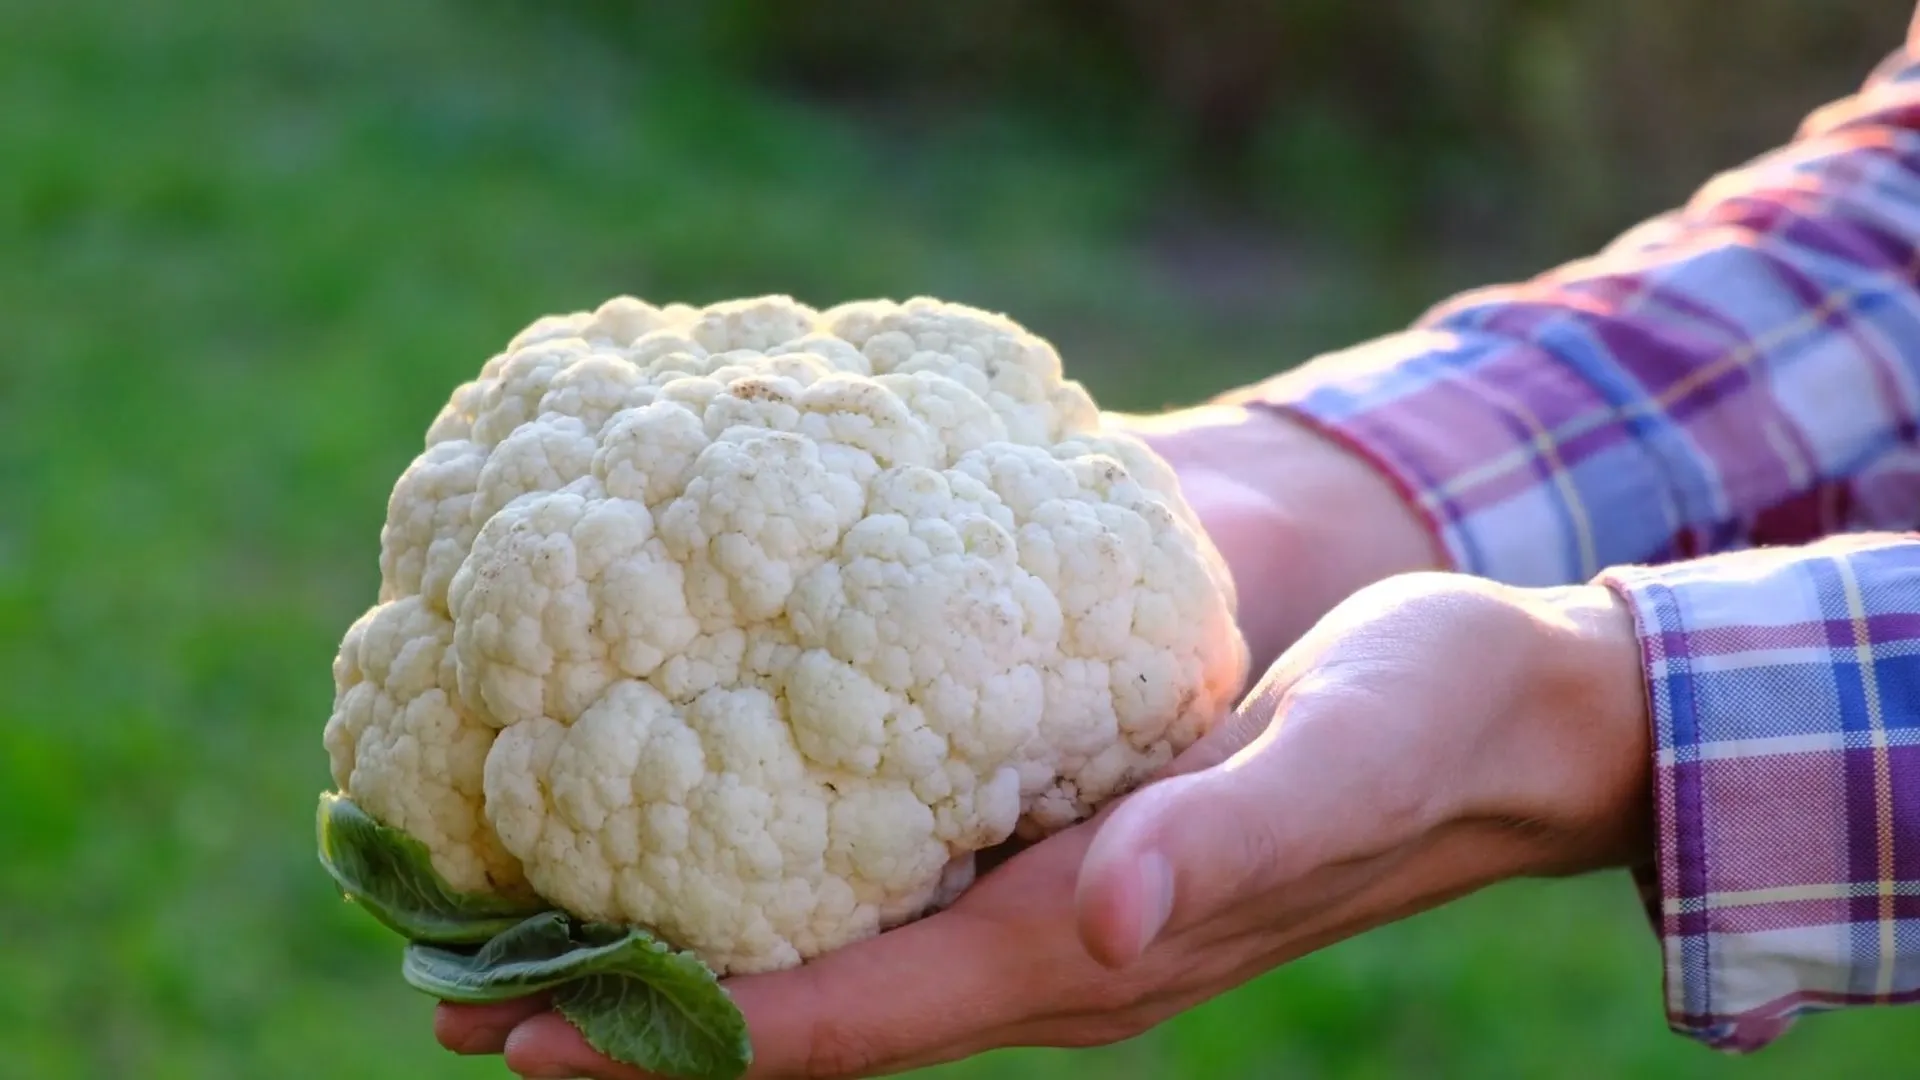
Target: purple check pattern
(1784, 687)
(1717, 417)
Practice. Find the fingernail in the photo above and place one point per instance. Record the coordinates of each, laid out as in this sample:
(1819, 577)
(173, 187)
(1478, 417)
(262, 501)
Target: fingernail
(1156, 896)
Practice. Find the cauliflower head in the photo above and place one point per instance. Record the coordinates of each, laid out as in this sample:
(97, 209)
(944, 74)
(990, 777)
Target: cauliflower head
(751, 623)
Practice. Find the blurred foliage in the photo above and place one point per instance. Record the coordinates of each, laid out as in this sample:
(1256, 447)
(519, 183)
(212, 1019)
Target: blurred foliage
(1489, 122)
(246, 247)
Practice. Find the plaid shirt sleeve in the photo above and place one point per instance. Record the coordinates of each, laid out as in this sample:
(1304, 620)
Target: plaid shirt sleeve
(1745, 370)
(1784, 685)
(1738, 375)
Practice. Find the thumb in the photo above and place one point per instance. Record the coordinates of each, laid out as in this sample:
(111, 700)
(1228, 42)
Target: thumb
(1190, 844)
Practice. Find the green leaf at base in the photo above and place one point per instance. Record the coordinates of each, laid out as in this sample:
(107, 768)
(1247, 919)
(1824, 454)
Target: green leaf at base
(633, 998)
(391, 875)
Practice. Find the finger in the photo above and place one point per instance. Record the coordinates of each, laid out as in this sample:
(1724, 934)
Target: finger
(951, 985)
(879, 1015)
(1317, 789)
(921, 994)
(1127, 886)
(1227, 738)
(547, 1046)
(1186, 842)
(1239, 728)
(482, 1029)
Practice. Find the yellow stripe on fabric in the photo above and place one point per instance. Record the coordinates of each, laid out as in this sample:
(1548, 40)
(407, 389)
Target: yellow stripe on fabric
(1548, 449)
(1882, 774)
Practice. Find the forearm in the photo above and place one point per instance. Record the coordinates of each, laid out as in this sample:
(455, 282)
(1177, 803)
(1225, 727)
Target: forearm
(1745, 370)
(1300, 520)
(1783, 687)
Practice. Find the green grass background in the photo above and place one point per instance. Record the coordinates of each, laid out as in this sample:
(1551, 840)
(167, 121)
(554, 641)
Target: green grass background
(245, 250)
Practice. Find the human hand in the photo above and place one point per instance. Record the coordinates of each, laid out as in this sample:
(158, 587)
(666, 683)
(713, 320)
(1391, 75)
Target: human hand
(1430, 736)
(1302, 521)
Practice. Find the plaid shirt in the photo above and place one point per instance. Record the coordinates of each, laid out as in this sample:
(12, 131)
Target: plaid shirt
(1718, 386)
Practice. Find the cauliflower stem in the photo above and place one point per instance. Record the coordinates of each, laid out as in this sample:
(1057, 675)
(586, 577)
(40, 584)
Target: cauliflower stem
(632, 997)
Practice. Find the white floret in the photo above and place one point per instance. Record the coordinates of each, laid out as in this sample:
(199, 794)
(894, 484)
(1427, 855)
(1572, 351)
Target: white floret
(410, 756)
(753, 623)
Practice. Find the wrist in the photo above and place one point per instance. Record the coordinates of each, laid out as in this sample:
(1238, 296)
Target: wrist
(1370, 513)
(1303, 521)
(1584, 710)
(1289, 462)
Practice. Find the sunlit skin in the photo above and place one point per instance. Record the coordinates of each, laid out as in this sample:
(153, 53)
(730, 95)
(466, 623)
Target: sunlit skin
(1415, 737)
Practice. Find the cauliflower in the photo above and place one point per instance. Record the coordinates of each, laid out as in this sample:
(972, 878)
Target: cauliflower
(750, 624)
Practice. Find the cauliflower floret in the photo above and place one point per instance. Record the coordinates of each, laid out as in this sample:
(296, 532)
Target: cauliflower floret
(752, 623)
(411, 757)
